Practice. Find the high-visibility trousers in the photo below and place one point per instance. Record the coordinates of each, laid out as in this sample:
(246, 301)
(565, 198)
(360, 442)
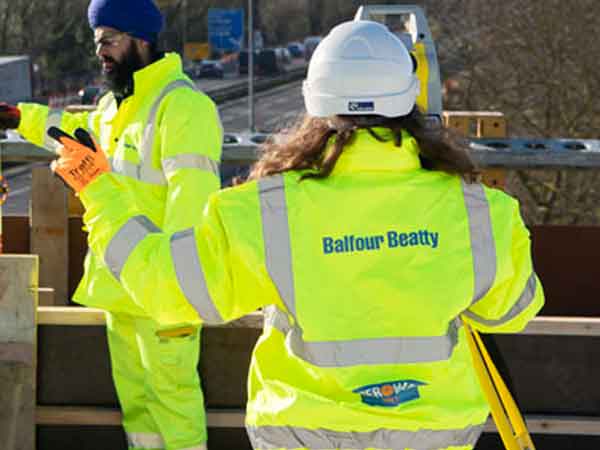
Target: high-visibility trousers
(157, 383)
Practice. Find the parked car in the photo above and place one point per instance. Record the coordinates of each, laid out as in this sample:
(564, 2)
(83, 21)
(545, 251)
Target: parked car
(243, 61)
(287, 56)
(210, 68)
(296, 49)
(310, 44)
(271, 61)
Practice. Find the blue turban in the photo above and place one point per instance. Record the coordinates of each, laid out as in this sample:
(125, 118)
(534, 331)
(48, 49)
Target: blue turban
(139, 18)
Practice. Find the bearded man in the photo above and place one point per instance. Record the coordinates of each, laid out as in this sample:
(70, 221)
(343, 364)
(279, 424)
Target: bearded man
(164, 138)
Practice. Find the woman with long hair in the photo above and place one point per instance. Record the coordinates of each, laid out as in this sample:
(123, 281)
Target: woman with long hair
(365, 238)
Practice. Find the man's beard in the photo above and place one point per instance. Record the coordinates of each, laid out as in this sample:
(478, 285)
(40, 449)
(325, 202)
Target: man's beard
(120, 79)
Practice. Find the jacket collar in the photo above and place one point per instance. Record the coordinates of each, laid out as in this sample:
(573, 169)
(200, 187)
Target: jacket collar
(146, 80)
(367, 154)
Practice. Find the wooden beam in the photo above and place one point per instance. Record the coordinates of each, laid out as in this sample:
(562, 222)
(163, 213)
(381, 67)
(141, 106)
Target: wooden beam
(554, 326)
(481, 124)
(16, 352)
(563, 326)
(18, 302)
(70, 316)
(50, 231)
(570, 425)
(18, 297)
(91, 416)
(80, 416)
(46, 296)
(78, 316)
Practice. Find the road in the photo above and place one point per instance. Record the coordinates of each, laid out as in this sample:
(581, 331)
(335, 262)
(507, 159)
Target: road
(275, 108)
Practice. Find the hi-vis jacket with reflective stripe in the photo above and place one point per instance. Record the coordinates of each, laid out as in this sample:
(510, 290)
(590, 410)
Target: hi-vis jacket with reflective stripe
(363, 277)
(165, 138)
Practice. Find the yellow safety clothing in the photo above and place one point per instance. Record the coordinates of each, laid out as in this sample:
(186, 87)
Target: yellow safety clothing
(363, 277)
(165, 142)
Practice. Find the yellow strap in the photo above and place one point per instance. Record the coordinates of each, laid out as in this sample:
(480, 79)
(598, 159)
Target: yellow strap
(420, 53)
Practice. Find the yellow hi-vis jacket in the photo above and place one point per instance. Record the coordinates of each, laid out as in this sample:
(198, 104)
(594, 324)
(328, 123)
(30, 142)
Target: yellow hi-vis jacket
(165, 138)
(363, 277)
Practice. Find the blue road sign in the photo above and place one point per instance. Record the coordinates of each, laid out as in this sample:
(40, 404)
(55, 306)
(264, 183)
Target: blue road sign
(225, 29)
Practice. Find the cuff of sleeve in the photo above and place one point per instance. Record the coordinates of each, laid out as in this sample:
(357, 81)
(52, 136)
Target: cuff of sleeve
(23, 110)
(98, 190)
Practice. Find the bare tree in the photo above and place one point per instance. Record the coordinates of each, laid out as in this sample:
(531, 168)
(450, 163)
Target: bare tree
(536, 62)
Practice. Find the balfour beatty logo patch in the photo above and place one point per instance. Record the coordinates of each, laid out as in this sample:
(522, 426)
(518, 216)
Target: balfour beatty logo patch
(392, 393)
(361, 106)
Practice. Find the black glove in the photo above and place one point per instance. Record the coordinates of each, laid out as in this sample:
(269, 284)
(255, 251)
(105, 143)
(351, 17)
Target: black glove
(10, 116)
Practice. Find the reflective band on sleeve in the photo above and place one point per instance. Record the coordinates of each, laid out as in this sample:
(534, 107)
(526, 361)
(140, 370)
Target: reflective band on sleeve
(524, 301)
(54, 119)
(392, 350)
(273, 437)
(90, 127)
(483, 245)
(197, 447)
(190, 275)
(145, 174)
(151, 441)
(276, 318)
(125, 241)
(190, 161)
(278, 252)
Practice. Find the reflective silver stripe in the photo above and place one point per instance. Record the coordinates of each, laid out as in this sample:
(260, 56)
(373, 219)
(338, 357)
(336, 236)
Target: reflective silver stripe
(148, 139)
(125, 241)
(393, 350)
(144, 171)
(90, 127)
(483, 246)
(197, 447)
(152, 441)
(276, 318)
(132, 170)
(54, 119)
(278, 251)
(190, 275)
(272, 437)
(189, 161)
(524, 301)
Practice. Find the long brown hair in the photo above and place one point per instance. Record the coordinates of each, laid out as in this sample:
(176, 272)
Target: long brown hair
(303, 147)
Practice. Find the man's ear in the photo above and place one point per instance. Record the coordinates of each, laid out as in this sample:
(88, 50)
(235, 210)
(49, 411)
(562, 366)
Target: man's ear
(142, 45)
(143, 48)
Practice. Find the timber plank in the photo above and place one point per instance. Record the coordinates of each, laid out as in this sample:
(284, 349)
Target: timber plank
(49, 231)
(543, 325)
(91, 416)
(18, 301)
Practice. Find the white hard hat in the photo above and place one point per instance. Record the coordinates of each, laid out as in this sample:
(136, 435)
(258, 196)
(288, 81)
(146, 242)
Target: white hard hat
(360, 68)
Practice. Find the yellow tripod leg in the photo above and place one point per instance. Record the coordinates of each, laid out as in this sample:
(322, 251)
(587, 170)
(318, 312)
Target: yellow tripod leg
(497, 409)
(514, 415)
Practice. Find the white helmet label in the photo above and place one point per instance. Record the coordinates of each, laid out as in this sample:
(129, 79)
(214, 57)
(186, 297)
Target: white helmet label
(361, 106)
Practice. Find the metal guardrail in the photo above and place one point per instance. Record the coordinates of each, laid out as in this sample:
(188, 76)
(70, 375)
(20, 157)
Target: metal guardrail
(537, 153)
(239, 148)
(240, 89)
